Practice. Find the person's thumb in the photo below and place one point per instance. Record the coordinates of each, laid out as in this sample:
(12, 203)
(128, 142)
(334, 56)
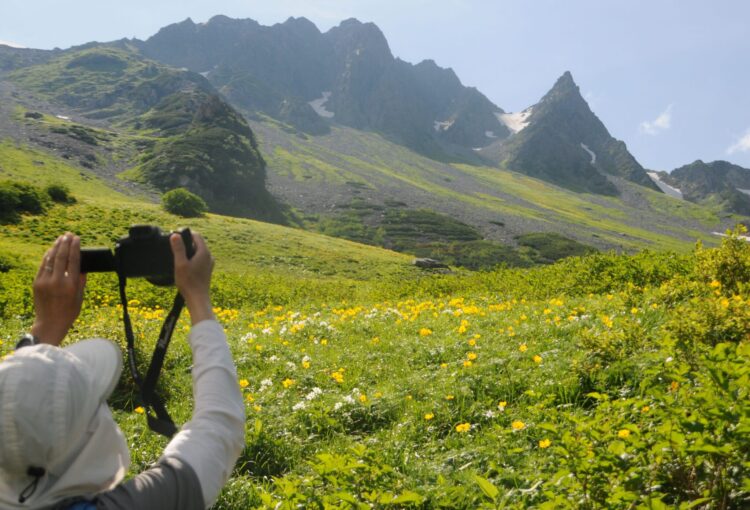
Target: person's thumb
(178, 249)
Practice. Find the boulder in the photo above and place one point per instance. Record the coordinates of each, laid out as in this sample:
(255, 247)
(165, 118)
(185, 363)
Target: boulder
(426, 263)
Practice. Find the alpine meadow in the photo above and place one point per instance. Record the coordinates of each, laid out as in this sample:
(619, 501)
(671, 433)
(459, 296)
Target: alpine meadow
(432, 302)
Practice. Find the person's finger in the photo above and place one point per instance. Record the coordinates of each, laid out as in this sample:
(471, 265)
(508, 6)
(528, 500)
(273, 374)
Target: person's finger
(200, 243)
(74, 257)
(49, 260)
(178, 249)
(61, 257)
(42, 267)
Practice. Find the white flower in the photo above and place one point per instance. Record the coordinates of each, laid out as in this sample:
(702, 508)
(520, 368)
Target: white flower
(337, 406)
(291, 366)
(273, 359)
(249, 336)
(298, 406)
(267, 331)
(669, 359)
(348, 399)
(265, 383)
(489, 414)
(314, 393)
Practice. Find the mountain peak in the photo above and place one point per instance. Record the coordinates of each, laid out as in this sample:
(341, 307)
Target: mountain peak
(563, 87)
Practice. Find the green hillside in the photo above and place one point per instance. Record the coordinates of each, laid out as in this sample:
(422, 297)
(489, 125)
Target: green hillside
(185, 134)
(608, 381)
(322, 176)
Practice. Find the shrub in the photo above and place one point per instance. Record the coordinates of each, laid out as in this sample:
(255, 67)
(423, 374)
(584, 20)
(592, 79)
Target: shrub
(183, 203)
(60, 193)
(17, 198)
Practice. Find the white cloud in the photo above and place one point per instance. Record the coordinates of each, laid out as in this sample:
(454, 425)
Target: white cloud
(659, 124)
(741, 145)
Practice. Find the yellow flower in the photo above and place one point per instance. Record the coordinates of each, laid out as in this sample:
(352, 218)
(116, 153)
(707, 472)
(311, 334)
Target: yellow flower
(425, 332)
(378, 394)
(518, 425)
(523, 347)
(139, 410)
(338, 377)
(674, 385)
(472, 342)
(244, 383)
(429, 416)
(645, 409)
(715, 284)
(544, 443)
(324, 342)
(467, 363)
(463, 427)
(634, 310)
(537, 358)
(258, 347)
(363, 398)
(471, 356)
(250, 397)
(443, 365)
(305, 364)
(502, 405)
(257, 408)
(623, 433)
(449, 397)
(287, 382)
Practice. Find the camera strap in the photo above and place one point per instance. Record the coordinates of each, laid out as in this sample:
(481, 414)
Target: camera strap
(156, 413)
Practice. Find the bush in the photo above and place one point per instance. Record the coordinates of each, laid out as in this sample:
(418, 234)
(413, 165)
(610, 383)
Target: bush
(60, 194)
(183, 203)
(17, 198)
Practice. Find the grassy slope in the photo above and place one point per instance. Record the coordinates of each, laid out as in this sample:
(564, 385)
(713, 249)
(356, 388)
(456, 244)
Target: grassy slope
(645, 219)
(367, 382)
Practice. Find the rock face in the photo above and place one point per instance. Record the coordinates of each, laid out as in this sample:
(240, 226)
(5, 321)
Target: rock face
(281, 69)
(565, 143)
(718, 181)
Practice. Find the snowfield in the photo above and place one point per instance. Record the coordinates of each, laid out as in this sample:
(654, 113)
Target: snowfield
(442, 125)
(591, 153)
(515, 121)
(666, 188)
(319, 105)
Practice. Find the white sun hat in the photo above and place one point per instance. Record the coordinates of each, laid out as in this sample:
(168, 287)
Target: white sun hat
(58, 435)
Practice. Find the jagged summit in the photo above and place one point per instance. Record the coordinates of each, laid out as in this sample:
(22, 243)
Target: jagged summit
(563, 141)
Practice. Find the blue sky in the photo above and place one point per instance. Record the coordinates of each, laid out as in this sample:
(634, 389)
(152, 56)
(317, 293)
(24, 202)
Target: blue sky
(669, 77)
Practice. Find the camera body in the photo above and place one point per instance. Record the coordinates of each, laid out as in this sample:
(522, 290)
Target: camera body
(145, 252)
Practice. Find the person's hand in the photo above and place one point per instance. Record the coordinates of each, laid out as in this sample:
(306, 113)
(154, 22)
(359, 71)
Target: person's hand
(58, 290)
(193, 276)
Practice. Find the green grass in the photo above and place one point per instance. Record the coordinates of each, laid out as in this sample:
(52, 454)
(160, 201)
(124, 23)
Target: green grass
(19, 162)
(378, 385)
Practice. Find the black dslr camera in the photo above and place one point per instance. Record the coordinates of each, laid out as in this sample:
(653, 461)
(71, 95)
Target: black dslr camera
(144, 252)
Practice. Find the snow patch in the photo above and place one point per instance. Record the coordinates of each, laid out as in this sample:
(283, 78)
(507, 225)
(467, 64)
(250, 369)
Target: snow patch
(745, 191)
(490, 134)
(515, 121)
(666, 188)
(11, 44)
(319, 105)
(62, 117)
(442, 125)
(591, 153)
